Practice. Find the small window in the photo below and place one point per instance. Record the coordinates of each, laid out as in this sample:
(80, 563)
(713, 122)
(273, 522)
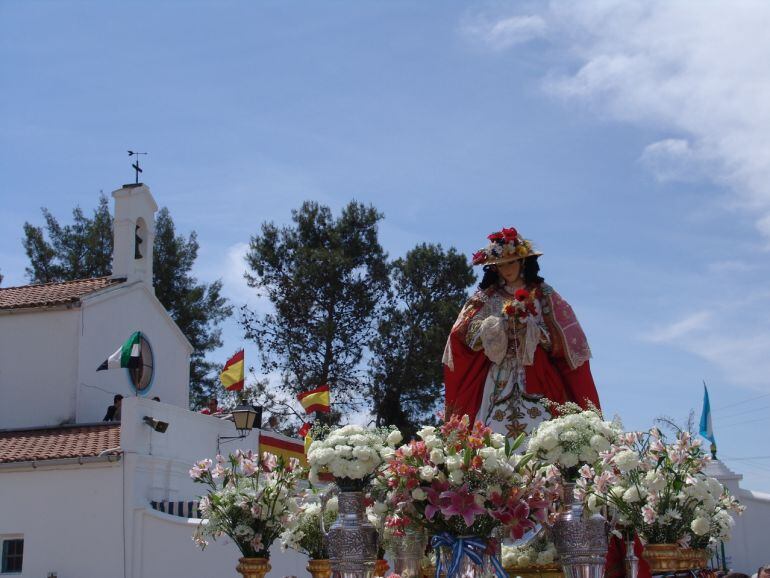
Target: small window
(13, 555)
(141, 376)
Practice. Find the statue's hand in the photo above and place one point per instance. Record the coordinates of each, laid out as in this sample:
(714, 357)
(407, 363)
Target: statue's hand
(494, 338)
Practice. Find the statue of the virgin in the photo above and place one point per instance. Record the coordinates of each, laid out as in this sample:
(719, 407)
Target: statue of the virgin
(516, 344)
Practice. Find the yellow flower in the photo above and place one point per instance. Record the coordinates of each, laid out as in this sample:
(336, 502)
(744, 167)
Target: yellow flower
(522, 250)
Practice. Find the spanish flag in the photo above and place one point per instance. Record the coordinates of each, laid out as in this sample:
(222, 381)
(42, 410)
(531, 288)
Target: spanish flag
(316, 399)
(232, 374)
(282, 446)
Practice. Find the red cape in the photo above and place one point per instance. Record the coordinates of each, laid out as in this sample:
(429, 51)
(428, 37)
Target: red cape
(549, 375)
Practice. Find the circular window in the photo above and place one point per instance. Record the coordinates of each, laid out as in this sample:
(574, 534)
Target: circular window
(141, 376)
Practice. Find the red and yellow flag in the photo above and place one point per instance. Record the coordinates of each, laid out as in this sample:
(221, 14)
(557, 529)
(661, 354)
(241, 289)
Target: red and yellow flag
(282, 446)
(232, 374)
(317, 399)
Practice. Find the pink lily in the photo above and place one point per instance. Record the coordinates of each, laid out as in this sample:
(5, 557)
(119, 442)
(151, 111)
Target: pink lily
(461, 503)
(435, 501)
(520, 523)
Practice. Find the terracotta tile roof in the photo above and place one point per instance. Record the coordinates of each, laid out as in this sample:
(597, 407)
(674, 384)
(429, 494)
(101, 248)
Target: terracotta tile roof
(58, 442)
(46, 294)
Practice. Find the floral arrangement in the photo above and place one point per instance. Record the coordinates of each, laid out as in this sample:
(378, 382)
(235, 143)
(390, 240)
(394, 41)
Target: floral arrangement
(574, 438)
(539, 551)
(463, 480)
(660, 490)
(520, 307)
(303, 525)
(247, 500)
(351, 452)
(505, 243)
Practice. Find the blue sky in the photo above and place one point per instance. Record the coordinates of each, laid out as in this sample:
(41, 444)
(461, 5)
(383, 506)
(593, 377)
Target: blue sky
(628, 140)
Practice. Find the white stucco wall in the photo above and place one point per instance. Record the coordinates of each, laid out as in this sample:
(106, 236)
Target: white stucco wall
(38, 366)
(158, 466)
(76, 520)
(70, 518)
(107, 321)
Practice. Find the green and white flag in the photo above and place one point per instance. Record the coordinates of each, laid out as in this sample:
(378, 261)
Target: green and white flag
(129, 354)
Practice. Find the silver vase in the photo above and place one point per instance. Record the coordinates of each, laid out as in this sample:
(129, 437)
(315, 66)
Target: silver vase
(580, 539)
(352, 540)
(408, 551)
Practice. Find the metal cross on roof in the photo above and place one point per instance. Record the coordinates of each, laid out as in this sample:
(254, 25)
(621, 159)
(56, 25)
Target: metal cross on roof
(135, 165)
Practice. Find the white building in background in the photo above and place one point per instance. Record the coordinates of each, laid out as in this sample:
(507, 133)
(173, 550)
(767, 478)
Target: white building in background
(81, 498)
(749, 547)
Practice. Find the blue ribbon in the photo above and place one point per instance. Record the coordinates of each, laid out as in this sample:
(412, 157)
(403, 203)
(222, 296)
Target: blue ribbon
(472, 547)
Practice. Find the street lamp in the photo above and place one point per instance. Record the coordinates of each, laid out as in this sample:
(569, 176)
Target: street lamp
(245, 417)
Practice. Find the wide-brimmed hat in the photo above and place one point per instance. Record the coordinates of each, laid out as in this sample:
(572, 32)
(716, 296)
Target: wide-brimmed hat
(505, 246)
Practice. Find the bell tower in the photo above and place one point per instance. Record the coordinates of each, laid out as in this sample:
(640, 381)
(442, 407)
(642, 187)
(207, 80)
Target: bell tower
(133, 233)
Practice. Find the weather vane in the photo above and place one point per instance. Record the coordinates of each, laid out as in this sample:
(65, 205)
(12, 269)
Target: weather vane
(136, 164)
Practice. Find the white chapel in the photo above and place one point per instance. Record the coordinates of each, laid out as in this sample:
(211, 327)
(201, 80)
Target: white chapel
(85, 498)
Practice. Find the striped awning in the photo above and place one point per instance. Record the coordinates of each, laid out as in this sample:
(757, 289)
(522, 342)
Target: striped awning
(183, 509)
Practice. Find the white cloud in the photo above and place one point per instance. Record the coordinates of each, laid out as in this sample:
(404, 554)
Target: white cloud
(673, 159)
(234, 284)
(680, 329)
(732, 335)
(702, 75)
(499, 34)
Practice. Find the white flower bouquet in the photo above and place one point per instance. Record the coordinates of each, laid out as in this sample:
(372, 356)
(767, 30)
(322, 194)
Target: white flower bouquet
(351, 453)
(574, 438)
(539, 551)
(303, 525)
(659, 490)
(248, 499)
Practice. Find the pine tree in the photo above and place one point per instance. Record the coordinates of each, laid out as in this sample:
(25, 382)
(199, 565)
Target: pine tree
(326, 278)
(429, 286)
(83, 249)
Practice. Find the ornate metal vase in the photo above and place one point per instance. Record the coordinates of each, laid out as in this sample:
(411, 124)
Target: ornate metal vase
(408, 552)
(580, 540)
(352, 540)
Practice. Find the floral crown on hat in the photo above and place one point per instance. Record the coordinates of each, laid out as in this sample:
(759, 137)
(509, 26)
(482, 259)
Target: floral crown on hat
(505, 246)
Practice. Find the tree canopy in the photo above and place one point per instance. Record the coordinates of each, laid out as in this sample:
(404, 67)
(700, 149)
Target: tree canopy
(428, 287)
(326, 278)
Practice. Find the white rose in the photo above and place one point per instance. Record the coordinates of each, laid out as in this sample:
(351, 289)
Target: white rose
(437, 456)
(700, 526)
(545, 557)
(406, 451)
(456, 477)
(387, 453)
(549, 442)
(454, 462)
(432, 442)
(419, 494)
(654, 481)
(626, 460)
(426, 431)
(427, 473)
(497, 440)
(568, 460)
(394, 437)
(599, 443)
(631, 495)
